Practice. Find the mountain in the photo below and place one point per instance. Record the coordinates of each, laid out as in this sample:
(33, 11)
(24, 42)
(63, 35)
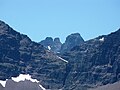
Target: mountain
(81, 65)
(96, 62)
(71, 41)
(56, 46)
(53, 45)
(20, 55)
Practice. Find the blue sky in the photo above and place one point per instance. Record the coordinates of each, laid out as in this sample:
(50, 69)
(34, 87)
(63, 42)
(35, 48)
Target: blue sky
(59, 18)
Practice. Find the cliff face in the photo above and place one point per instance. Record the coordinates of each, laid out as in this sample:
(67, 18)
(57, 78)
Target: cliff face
(95, 62)
(18, 54)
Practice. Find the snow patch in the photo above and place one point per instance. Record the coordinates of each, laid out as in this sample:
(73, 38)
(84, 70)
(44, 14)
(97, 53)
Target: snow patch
(62, 59)
(102, 39)
(49, 47)
(3, 83)
(42, 87)
(23, 77)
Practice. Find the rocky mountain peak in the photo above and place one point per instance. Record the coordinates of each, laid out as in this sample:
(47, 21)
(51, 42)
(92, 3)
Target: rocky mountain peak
(53, 45)
(56, 46)
(47, 42)
(49, 39)
(71, 41)
(73, 36)
(57, 40)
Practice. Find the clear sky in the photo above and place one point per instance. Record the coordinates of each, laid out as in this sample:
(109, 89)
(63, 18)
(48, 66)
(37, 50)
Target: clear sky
(59, 18)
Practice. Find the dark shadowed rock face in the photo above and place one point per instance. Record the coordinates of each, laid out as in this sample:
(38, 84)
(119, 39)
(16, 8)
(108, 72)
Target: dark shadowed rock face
(95, 62)
(52, 45)
(18, 54)
(72, 41)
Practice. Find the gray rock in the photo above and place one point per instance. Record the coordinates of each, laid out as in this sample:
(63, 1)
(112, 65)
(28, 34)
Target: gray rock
(54, 46)
(1, 87)
(95, 62)
(72, 41)
(22, 85)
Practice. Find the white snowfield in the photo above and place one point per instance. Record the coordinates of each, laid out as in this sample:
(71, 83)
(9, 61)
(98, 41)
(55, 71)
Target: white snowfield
(22, 77)
(102, 39)
(3, 83)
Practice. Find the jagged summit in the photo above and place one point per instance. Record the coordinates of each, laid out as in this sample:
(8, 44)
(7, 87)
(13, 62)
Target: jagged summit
(57, 40)
(47, 42)
(81, 65)
(53, 45)
(71, 41)
(56, 46)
